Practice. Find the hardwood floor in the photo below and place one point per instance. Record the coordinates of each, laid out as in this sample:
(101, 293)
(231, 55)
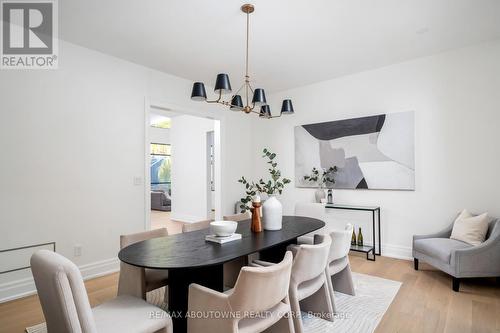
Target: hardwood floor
(161, 219)
(425, 302)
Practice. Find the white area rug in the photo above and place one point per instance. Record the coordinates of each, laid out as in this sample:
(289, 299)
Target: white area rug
(360, 313)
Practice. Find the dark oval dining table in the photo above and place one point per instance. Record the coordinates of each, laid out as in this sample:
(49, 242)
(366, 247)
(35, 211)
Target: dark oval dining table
(191, 259)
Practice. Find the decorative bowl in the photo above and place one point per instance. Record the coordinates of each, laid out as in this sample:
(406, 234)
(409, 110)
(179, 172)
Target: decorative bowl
(223, 228)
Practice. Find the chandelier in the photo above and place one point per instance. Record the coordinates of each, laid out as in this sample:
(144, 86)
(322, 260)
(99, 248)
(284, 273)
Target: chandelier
(257, 104)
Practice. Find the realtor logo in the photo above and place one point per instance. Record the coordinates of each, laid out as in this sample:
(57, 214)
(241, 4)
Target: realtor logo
(29, 34)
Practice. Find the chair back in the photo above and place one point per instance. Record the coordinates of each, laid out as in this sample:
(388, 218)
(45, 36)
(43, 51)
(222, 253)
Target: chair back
(238, 217)
(187, 227)
(341, 243)
(310, 260)
(62, 294)
(261, 288)
(493, 228)
(126, 240)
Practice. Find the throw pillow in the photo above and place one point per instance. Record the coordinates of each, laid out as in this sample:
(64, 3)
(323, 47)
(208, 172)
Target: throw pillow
(470, 229)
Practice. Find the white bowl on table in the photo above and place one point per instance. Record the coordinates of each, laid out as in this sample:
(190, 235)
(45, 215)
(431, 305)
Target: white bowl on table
(223, 228)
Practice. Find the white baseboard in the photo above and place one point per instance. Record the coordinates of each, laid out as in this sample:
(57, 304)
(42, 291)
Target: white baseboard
(397, 251)
(26, 287)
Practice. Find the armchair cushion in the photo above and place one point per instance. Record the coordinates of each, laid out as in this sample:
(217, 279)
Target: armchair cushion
(470, 229)
(439, 248)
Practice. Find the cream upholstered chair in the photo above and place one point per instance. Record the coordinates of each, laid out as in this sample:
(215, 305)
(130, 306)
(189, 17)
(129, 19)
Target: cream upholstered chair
(232, 268)
(66, 306)
(258, 290)
(238, 217)
(187, 227)
(309, 291)
(136, 281)
(339, 268)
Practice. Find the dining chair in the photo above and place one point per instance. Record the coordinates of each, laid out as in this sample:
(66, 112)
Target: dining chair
(194, 226)
(233, 267)
(238, 217)
(339, 268)
(66, 306)
(258, 301)
(308, 290)
(136, 281)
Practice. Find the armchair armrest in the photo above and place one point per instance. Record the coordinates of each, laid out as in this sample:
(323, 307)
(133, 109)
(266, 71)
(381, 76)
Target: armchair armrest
(483, 259)
(206, 307)
(445, 233)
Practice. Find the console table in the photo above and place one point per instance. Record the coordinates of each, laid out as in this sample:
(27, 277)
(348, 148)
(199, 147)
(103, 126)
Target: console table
(375, 217)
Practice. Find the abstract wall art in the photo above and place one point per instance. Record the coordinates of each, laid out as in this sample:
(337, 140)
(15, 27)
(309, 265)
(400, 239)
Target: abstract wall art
(375, 152)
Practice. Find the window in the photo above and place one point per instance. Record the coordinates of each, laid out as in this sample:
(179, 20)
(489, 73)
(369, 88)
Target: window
(159, 121)
(161, 166)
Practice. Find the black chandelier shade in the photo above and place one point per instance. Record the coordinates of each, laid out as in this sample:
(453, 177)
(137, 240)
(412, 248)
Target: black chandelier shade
(265, 111)
(236, 103)
(287, 107)
(259, 97)
(222, 84)
(198, 93)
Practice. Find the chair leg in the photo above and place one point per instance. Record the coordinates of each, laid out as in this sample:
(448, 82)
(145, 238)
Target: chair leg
(295, 306)
(415, 264)
(342, 281)
(456, 284)
(319, 304)
(330, 290)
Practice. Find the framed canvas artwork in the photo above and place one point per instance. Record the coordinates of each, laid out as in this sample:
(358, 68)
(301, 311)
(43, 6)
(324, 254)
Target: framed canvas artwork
(374, 152)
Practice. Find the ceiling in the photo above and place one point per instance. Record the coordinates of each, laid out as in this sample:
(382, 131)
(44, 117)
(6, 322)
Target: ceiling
(292, 43)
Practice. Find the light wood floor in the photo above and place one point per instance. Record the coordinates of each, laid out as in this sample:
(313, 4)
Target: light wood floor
(425, 302)
(161, 219)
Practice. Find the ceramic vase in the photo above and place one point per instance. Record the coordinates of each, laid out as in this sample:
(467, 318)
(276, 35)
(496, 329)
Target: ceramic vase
(272, 214)
(319, 194)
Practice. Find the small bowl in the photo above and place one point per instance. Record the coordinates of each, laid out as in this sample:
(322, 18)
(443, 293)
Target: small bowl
(223, 228)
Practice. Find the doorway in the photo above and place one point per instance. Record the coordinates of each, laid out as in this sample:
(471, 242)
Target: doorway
(182, 169)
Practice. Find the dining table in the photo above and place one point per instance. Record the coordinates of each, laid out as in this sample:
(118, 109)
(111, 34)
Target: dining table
(189, 258)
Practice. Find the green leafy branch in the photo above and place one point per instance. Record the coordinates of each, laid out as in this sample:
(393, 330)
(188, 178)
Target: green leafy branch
(275, 185)
(327, 176)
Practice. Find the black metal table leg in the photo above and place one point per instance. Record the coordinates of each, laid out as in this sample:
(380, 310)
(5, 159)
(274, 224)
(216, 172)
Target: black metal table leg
(178, 288)
(379, 232)
(373, 233)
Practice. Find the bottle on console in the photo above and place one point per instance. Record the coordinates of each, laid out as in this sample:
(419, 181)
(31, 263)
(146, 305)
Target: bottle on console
(353, 238)
(360, 237)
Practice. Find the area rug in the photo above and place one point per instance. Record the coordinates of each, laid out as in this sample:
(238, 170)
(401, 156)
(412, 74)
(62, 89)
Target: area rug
(360, 313)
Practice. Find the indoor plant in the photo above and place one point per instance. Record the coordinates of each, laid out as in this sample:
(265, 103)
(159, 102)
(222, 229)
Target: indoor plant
(272, 210)
(323, 178)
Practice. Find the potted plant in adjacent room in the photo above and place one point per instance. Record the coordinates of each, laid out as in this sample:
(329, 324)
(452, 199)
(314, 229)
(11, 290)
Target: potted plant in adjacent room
(272, 210)
(323, 178)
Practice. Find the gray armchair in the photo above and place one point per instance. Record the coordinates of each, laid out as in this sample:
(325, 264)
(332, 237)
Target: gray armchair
(459, 259)
(160, 201)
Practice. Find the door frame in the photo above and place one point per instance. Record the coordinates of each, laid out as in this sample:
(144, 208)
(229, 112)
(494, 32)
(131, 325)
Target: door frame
(219, 125)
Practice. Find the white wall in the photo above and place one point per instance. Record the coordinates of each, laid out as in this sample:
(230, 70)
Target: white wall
(189, 167)
(71, 143)
(456, 97)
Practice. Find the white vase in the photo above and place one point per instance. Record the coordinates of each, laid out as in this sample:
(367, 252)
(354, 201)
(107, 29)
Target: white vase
(272, 214)
(319, 194)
